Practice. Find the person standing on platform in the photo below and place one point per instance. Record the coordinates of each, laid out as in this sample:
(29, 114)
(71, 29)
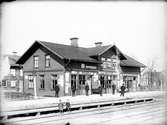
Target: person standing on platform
(73, 88)
(86, 88)
(57, 89)
(100, 88)
(60, 106)
(122, 90)
(113, 88)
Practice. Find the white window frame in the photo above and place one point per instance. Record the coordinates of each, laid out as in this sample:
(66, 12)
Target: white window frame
(103, 59)
(108, 59)
(30, 82)
(5, 81)
(13, 72)
(47, 61)
(36, 62)
(13, 83)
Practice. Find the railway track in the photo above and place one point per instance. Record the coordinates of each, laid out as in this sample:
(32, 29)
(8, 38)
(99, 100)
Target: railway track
(73, 114)
(125, 114)
(87, 110)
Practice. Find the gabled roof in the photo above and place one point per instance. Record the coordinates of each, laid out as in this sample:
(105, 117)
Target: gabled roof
(97, 50)
(68, 52)
(131, 62)
(12, 59)
(77, 53)
(62, 51)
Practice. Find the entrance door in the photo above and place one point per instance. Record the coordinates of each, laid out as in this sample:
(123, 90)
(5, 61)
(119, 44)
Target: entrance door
(74, 82)
(82, 84)
(102, 82)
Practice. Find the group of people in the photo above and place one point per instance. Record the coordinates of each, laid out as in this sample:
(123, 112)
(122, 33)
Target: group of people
(122, 89)
(87, 88)
(64, 105)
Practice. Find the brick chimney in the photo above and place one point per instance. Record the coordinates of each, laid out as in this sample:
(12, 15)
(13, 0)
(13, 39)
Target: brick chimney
(97, 44)
(74, 41)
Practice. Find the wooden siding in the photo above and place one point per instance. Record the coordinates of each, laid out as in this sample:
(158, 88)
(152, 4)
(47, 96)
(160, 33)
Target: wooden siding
(54, 65)
(47, 91)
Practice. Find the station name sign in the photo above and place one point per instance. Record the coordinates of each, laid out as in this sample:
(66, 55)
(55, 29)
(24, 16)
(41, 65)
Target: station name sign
(83, 66)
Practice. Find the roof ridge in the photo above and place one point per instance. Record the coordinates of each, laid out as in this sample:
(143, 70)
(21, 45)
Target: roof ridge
(75, 47)
(53, 43)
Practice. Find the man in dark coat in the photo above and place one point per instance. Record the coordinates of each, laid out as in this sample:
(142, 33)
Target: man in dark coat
(100, 89)
(73, 89)
(57, 89)
(122, 90)
(113, 88)
(86, 89)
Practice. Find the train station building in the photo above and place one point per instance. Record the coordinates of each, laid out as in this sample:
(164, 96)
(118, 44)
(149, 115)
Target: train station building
(46, 64)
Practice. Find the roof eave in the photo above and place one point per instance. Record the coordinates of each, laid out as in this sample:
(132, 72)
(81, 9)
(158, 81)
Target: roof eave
(105, 50)
(134, 66)
(18, 61)
(40, 43)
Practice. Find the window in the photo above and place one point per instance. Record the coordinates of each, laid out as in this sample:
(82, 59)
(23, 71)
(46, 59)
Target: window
(30, 81)
(47, 60)
(13, 72)
(82, 79)
(13, 83)
(42, 82)
(108, 59)
(102, 59)
(4, 83)
(36, 60)
(54, 81)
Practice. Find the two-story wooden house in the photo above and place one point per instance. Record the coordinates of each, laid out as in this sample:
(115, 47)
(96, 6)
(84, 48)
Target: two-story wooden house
(12, 74)
(46, 64)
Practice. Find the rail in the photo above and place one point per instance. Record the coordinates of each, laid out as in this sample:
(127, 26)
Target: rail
(54, 108)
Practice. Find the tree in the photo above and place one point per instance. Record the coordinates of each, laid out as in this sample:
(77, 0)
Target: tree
(151, 69)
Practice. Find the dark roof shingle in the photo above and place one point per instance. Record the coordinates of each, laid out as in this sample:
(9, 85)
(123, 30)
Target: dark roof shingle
(68, 52)
(79, 53)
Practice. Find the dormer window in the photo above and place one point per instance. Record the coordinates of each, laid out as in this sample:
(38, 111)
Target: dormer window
(47, 60)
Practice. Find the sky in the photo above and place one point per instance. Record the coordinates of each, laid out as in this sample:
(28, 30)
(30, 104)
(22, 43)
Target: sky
(136, 28)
